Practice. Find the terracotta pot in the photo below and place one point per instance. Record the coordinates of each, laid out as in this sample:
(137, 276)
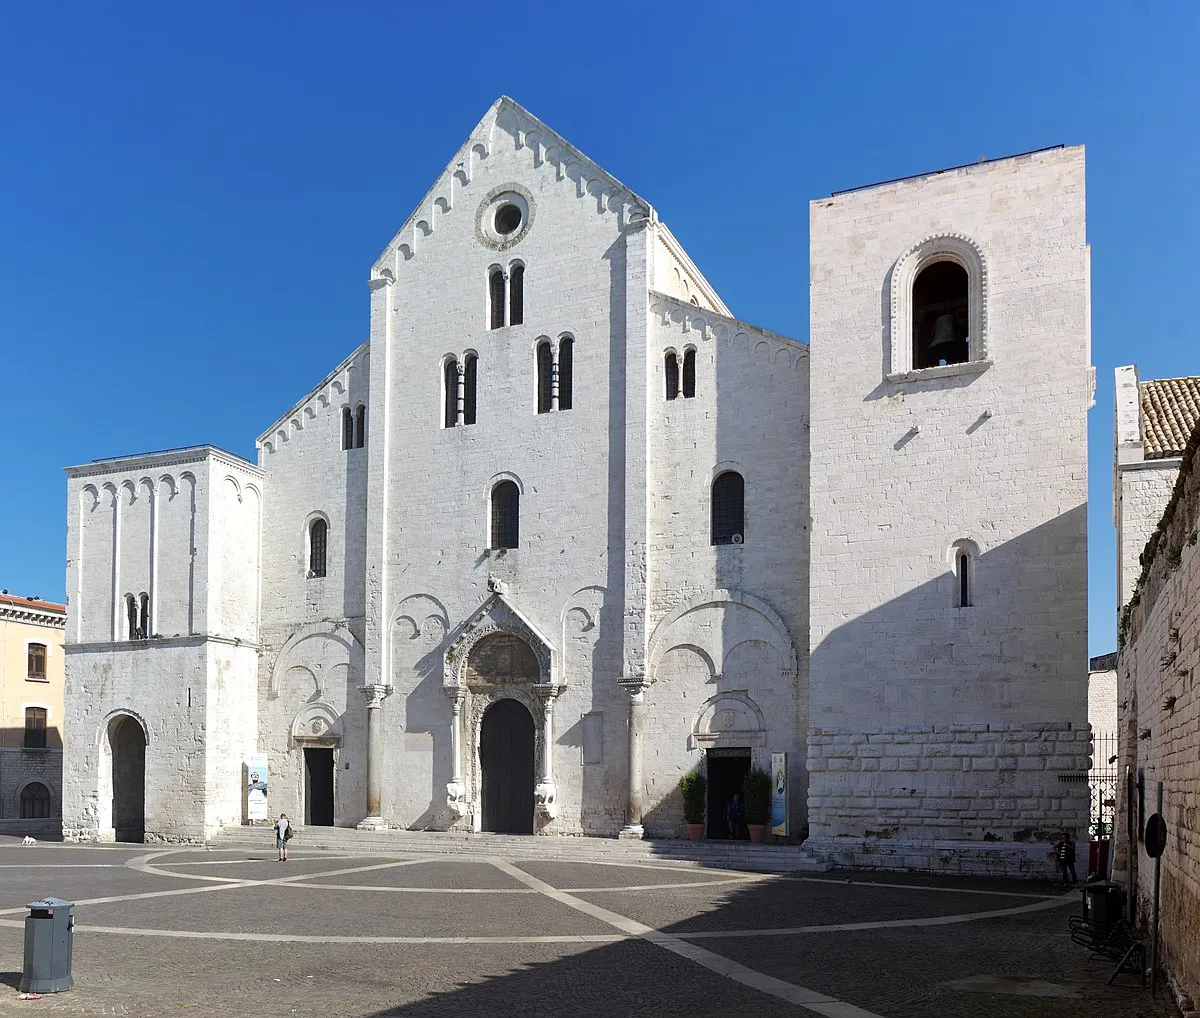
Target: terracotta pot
(696, 832)
(757, 831)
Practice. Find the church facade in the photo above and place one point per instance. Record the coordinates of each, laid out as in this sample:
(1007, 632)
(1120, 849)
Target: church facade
(563, 529)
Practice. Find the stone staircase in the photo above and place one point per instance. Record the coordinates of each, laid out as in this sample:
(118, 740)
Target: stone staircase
(731, 855)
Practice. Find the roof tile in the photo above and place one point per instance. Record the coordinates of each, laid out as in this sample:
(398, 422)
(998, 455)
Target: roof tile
(1170, 413)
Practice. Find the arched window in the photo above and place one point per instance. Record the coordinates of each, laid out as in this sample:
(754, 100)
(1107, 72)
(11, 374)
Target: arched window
(545, 376)
(36, 661)
(566, 347)
(35, 727)
(940, 309)
(360, 426)
(347, 428)
(131, 615)
(496, 299)
(689, 374)
(506, 515)
(728, 508)
(672, 372)
(450, 392)
(144, 615)
(962, 570)
(318, 541)
(516, 295)
(470, 373)
(35, 801)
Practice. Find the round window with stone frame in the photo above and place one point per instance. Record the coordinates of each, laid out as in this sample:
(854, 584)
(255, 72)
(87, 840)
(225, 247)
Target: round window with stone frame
(504, 216)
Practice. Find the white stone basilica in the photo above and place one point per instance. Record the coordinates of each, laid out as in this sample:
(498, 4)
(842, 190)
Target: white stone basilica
(563, 528)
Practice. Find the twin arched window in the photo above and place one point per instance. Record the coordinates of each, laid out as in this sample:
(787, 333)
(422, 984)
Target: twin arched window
(728, 508)
(354, 427)
(137, 616)
(318, 546)
(506, 296)
(689, 374)
(555, 371)
(459, 381)
(506, 515)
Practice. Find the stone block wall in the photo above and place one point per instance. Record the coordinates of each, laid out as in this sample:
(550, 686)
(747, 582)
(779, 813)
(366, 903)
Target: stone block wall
(1158, 667)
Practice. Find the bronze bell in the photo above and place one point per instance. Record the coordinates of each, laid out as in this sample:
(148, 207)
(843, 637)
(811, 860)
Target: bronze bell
(943, 331)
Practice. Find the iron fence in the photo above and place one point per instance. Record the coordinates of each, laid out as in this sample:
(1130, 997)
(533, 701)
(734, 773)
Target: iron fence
(1102, 781)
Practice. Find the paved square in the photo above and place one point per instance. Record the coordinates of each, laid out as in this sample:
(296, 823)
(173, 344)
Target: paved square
(233, 932)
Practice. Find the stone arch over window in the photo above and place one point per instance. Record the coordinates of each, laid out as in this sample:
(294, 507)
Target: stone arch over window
(449, 391)
(144, 614)
(470, 379)
(347, 428)
(728, 719)
(671, 373)
(962, 557)
(496, 295)
(317, 726)
(317, 545)
(360, 426)
(131, 617)
(566, 366)
(545, 375)
(35, 801)
(516, 293)
(728, 508)
(505, 515)
(689, 372)
(939, 293)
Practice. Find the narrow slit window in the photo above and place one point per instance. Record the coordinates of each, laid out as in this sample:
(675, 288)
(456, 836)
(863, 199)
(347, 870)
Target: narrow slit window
(940, 301)
(35, 727)
(318, 541)
(470, 377)
(35, 801)
(347, 428)
(131, 615)
(496, 299)
(36, 661)
(689, 374)
(516, 295)
(672, 372)
(360, 426)
(506, 515)
(565, 367)
(963, 567)
(545, 372)
(728, 508)
(144, 615)
(450, 394)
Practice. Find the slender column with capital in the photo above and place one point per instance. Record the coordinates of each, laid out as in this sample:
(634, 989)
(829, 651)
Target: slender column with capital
(546, 793)
(637, 710)
(456, 791)
(375, 695)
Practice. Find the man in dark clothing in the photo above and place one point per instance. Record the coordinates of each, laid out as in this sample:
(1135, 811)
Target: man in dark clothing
(1065, 852)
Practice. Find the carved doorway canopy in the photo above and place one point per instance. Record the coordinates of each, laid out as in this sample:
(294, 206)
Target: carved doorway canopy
(496, 647)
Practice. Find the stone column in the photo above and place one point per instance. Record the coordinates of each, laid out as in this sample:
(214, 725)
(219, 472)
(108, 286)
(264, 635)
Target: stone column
(456, 791)
(636, 688)
(375, 695)
(546, 793)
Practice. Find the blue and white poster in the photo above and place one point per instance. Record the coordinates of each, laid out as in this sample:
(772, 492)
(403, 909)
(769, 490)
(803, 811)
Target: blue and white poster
(256, 786)
(779, 808)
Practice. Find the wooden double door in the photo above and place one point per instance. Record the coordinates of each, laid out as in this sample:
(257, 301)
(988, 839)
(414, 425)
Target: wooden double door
(506, 759)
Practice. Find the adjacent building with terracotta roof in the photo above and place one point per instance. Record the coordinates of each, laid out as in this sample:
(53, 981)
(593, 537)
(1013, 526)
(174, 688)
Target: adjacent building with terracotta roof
(31, 714)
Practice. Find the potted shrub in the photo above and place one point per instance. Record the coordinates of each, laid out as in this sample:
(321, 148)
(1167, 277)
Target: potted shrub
(694, 787)
(756, 799)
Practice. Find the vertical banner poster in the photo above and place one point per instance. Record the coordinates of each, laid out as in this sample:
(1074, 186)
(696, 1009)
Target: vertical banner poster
(779, 797)
(256, 786)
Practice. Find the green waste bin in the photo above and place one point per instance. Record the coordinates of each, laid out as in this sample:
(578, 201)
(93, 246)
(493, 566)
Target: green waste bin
(49, 939)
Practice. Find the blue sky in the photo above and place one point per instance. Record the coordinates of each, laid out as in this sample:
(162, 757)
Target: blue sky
(191, 195)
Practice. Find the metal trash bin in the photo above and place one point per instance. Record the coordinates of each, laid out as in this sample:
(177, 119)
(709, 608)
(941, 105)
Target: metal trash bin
(49, 938)
(1102, 903)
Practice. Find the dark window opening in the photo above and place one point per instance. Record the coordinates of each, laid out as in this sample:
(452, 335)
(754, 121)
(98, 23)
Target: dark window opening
(450, 384)
(516, 295)
(964, 579)
(506, 515)
(545, 369)
(35, 727)
(360, 426)
(940, 322)
(131, 616)
(144, 615)
(728, 508)
(565, 354)
(672, 368)
(470, 374)
(689, 374)
(318, 540)
(496, 298)
(37, 661)
(35, 801)
(347, 428)
(508, 219)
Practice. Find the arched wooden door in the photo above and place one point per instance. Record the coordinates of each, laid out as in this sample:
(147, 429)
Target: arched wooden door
(506, 761)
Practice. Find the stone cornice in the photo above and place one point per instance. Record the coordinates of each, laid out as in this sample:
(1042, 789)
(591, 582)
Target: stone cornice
(313, 393)
(113, 646)
(167, 458)
(33, 616)
(676, 249)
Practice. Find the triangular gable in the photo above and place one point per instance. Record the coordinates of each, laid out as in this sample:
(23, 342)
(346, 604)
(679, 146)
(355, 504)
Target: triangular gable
(508, 121)
(498, 615)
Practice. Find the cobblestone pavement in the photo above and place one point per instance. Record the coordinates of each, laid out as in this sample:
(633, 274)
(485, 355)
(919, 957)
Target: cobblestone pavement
(233, 932)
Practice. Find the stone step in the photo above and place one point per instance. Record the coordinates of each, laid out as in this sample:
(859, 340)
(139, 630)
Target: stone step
(761, 858)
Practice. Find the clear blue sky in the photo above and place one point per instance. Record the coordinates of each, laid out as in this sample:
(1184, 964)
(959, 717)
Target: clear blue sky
(191, 195)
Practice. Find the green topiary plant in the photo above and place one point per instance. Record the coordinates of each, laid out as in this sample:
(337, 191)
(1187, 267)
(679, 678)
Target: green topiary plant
(756, 796)
(694, 787)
